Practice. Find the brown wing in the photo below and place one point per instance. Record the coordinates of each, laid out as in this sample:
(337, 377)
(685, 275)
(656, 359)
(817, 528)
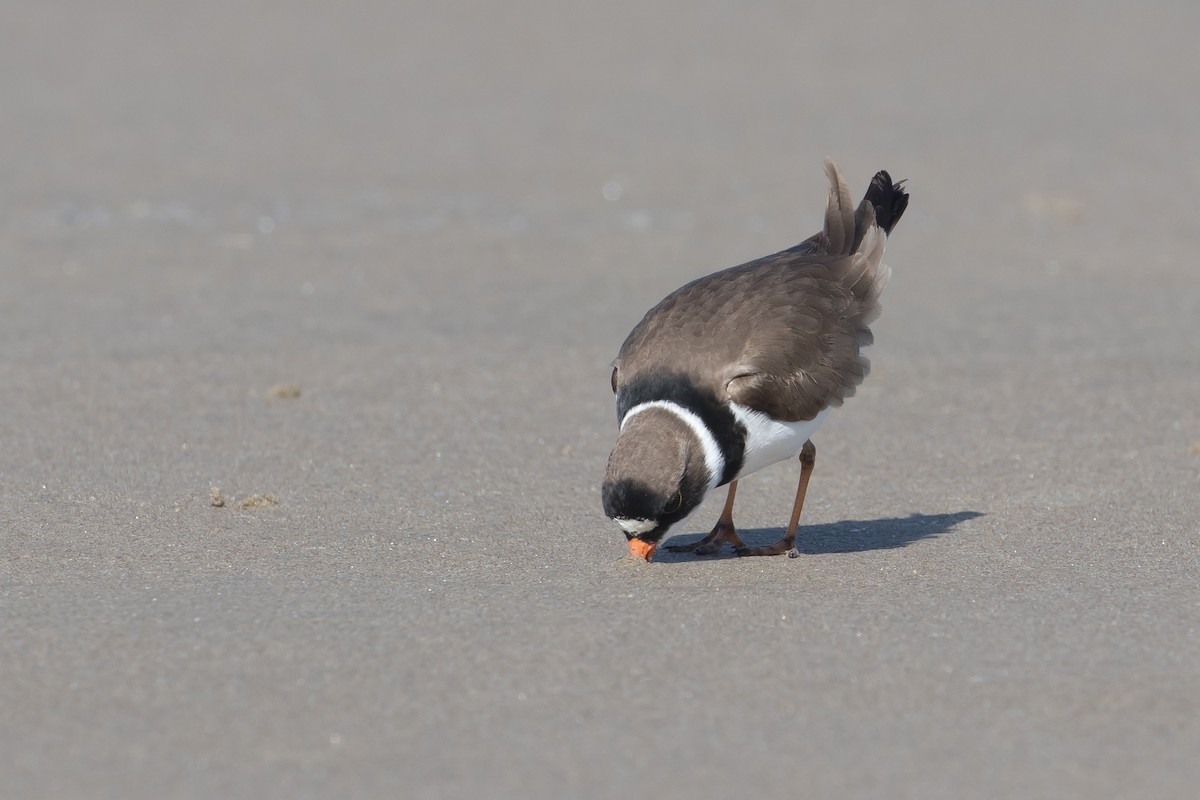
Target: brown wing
(781, 334)
(803, 354)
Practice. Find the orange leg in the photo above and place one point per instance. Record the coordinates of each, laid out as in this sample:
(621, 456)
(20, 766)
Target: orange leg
(808, 458)
(722, 532)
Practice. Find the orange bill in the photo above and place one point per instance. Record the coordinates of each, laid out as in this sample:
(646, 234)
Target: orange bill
(640, 549)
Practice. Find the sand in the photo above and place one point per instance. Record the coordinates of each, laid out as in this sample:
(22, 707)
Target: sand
(441, 224)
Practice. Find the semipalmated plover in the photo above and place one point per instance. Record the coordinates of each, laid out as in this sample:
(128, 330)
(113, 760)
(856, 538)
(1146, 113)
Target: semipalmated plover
(736, 371)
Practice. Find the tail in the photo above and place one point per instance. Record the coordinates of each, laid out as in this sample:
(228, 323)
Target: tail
(845, 226)
(889, 200)
(861, 233)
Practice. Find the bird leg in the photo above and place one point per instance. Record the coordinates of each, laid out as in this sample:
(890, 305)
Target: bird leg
(808, 458)
(722, 532)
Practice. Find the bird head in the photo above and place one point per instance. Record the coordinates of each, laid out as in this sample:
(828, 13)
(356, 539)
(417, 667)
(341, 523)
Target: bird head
(656, 476)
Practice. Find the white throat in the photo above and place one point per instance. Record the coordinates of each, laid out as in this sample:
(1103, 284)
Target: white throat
(635, 526)
(714, 461)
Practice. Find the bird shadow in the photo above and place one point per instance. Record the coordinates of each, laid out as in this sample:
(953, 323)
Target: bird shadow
(847, 536)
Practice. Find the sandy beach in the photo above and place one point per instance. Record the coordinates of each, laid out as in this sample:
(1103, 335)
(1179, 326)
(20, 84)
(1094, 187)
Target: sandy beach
(306, 317)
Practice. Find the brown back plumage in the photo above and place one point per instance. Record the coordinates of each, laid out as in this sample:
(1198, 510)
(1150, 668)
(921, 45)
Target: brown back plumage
(780, 334)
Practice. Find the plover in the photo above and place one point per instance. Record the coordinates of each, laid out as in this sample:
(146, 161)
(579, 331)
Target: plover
(735, 371)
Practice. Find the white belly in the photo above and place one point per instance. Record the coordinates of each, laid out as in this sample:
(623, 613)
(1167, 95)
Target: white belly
(769, 441)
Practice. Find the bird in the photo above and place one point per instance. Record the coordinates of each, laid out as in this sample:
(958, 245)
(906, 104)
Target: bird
(737, 370)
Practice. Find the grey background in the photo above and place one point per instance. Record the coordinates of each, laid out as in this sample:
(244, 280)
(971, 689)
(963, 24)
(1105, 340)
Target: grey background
(440, 222)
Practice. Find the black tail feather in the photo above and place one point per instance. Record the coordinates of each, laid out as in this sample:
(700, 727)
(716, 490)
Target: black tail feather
(889, 200)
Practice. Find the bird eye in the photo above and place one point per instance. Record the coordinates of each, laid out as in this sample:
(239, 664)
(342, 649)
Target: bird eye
(675, 503)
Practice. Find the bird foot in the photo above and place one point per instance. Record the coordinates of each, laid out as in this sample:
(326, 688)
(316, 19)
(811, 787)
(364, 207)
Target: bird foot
(724, 533)
(784, 545)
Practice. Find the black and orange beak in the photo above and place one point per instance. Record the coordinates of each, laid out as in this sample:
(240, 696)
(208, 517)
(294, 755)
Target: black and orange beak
(640, 549)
